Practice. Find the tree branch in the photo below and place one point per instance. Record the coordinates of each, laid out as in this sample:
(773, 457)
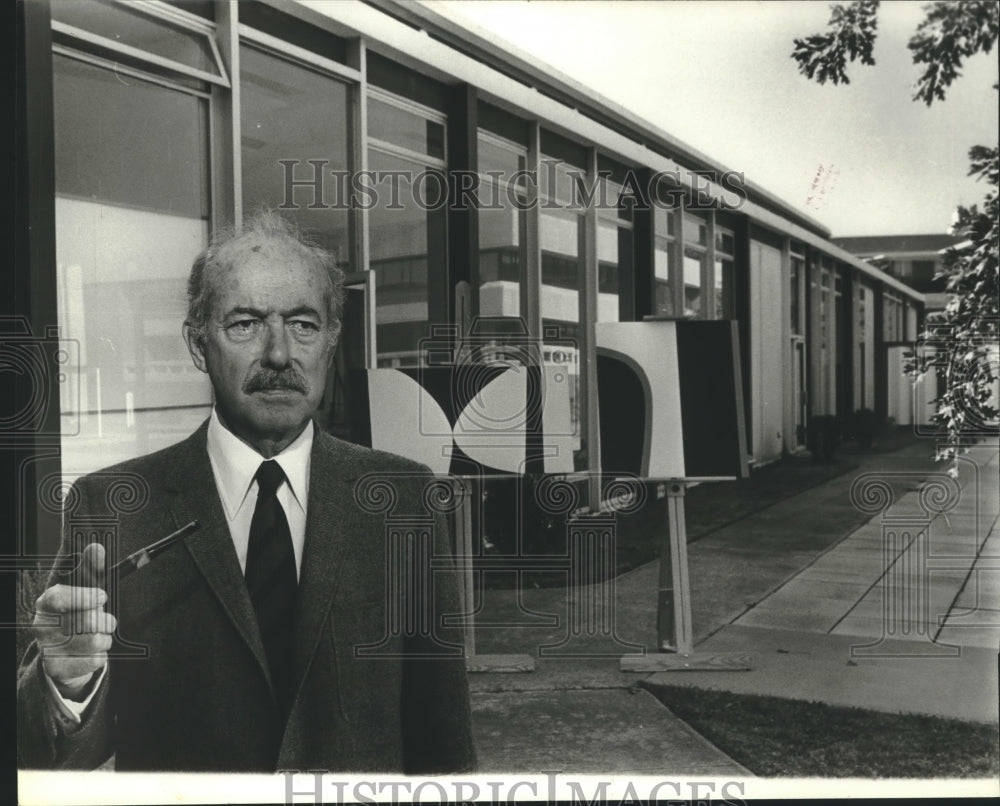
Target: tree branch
(824, 57)
(951, 32)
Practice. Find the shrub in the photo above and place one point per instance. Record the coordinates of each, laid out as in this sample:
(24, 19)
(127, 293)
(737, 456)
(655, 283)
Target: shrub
(823, 437)
(865, 426)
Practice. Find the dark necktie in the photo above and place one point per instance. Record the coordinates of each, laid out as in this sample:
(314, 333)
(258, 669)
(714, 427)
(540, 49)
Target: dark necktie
(271, 578)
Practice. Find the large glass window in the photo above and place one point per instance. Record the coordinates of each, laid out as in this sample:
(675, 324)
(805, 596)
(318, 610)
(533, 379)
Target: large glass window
(171, 40)
(295, 134)
(132, 212)
(836, 322)
(797, 329)
(893, 318)
(502, 226)
(408, 224)
(825, 352)
(614, 249)
(665, 263)
(405, 128)
(864, 357)
(861, 338)
(796, 294)
(562, 242)
(722, 278)
(695, 264)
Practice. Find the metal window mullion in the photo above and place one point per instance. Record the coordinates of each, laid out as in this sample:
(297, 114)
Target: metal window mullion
(533, 269)
(226, 153)
(35, 283)
(360, 217)
(679, 227)
(787, 353)
(708, 270)
(588, 350)
(217, 55)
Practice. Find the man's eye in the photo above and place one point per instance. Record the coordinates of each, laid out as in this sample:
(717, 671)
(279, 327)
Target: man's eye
(243, 328)
(303, 326)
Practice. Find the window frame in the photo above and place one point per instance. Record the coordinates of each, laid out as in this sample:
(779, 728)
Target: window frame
(523, 192)
(414, 108)
(161, 12)
(370, 91)
(612, 217)
(704, 255)
(206, 95)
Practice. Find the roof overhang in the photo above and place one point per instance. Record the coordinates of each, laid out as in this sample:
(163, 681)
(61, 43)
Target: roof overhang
(420, 38)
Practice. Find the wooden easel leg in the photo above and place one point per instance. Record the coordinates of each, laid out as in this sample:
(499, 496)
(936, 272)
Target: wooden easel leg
(463, 521)
(463, 525)
(673, 617)
(674, 628)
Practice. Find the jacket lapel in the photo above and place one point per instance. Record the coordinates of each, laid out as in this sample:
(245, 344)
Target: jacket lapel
(333, 524)
(195, 497)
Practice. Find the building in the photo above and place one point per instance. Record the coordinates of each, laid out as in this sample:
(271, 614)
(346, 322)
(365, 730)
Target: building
(914, 259)
(142, 127)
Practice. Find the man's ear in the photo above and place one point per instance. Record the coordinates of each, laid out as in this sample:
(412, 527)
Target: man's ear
(193, 339)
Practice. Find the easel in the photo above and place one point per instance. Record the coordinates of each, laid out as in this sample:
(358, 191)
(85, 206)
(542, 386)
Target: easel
(674, 631)
(674, 628)
(465, 488)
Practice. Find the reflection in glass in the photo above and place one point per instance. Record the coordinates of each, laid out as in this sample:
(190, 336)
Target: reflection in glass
(132, 206)
(723, 283)
(664, 263)
(722, 277)
(404, 128)
(614, 247)
(614, 256)
(664, 278)
(795, 293)
(695, 230)
(502, 226)
(288, 112)
(725, 242)
(129, 26)
(407, 229)
(404, 245)
(562, 233)
(694, 263)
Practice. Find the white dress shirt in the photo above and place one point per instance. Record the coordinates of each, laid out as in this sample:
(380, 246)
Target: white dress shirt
(234, 465)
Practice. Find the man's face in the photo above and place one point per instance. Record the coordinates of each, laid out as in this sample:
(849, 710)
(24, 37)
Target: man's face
(266, 347)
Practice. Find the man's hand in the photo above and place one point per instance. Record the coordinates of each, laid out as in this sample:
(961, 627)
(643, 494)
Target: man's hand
(72, 630)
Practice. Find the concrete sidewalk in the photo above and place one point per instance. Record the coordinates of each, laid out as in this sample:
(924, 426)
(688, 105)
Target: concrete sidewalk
(896, 610)
(903, 615)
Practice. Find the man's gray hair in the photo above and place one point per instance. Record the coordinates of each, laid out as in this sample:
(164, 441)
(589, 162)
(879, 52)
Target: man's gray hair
(228, 245)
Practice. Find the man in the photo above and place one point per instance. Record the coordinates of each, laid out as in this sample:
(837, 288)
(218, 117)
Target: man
(242, 647)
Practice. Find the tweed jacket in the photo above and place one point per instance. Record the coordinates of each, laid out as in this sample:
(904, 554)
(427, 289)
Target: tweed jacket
(187, 687)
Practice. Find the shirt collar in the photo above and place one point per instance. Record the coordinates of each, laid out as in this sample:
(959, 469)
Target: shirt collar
(235, 463)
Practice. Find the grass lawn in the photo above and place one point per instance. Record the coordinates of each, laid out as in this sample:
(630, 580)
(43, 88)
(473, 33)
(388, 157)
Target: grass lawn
(711, 506)
(772, 736)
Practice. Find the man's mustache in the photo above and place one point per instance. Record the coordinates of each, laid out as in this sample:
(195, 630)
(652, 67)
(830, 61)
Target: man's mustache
(273, 380)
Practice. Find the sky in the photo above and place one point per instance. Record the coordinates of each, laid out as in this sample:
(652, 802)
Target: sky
(720, 77)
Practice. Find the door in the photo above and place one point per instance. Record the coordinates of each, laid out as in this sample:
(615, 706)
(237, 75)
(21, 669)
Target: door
(799, 402)
(766, 371)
